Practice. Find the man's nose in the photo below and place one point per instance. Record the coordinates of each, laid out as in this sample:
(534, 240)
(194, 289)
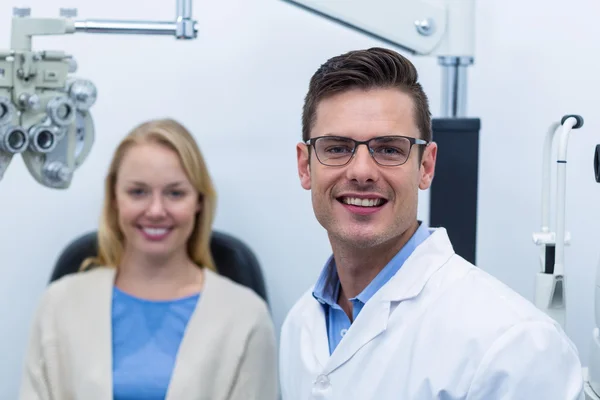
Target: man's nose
(362, 167)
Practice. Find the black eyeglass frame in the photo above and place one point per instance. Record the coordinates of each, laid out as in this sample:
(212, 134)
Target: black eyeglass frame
(413, 141)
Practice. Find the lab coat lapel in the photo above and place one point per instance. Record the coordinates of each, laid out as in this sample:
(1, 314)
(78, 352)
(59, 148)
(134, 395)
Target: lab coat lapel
(315, 333)
(407, 283)
(369, 324)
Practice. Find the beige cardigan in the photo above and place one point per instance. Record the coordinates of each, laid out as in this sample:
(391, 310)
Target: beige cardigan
(228, 350)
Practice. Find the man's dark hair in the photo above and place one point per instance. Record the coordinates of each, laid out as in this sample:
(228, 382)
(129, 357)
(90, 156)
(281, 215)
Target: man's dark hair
(366, 69)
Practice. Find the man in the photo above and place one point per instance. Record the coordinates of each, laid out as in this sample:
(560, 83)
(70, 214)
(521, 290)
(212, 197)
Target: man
(396, 314)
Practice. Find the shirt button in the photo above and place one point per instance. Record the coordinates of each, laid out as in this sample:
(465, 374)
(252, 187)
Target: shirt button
(322, 382)
(343, 332)
(322, 387)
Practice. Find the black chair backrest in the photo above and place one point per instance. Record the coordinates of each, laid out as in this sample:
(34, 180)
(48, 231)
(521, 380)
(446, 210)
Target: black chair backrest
(233, 259)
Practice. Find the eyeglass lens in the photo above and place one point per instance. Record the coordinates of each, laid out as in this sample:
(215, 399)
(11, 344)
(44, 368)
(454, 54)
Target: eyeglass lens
(385, 150)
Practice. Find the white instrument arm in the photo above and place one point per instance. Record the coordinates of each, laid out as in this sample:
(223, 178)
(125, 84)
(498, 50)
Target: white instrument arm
(439, 28)
(549, 283)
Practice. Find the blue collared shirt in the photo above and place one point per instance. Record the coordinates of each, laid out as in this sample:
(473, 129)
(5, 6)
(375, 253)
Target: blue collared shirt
(327, 289)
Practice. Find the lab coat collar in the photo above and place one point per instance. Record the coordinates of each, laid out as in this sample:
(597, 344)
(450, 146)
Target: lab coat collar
(395, 264)
(327, 288)
(407, 283)
(420, 266)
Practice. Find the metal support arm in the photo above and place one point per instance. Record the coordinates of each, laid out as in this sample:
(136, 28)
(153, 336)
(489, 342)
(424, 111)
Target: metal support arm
(440, 28)
(182, 28)
(23, 29)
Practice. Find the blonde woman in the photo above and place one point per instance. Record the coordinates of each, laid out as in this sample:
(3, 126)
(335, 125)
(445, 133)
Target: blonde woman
(152, 319)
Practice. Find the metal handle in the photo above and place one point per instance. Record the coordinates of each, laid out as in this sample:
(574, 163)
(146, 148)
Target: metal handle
(182, 28)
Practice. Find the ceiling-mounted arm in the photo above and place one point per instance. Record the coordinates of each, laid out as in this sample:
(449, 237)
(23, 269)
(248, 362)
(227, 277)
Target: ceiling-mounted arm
(416, 26)
(182, 28)
(24, 27)
(441, 28)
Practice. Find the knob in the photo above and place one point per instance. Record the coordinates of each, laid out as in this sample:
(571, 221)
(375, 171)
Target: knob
(29, 101)
(425, 27)
(72, 64)
(56, 171)
(68, 12)
(21, 12)
(84, 93)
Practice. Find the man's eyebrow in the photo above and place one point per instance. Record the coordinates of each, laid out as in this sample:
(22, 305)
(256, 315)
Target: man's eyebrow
(388, 135)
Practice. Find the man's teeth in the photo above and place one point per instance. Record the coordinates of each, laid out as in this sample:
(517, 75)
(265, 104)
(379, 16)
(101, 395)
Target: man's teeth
(362, 202)
(155, 231)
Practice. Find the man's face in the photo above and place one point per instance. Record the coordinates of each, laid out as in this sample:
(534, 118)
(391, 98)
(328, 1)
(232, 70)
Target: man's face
(392, 191)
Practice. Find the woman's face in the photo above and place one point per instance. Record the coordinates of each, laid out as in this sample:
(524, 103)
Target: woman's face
(156, 203)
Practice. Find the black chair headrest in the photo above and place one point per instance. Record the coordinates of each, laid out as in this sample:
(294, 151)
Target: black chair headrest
(233, 259)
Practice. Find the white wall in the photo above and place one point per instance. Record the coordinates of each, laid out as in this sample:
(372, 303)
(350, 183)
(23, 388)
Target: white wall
(239, 87)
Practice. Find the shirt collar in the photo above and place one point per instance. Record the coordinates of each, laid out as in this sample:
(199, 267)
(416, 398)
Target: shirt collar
(326, 289)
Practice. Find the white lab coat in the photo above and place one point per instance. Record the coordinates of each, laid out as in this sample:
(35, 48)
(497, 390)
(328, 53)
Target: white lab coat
(439, 329)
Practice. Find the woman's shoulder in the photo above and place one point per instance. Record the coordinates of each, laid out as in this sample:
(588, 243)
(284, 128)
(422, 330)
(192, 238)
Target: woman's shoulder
(234, 295)
(79, 283)
(74, 297)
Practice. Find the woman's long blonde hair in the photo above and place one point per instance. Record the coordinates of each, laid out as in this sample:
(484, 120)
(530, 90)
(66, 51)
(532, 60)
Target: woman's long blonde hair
(111, 242)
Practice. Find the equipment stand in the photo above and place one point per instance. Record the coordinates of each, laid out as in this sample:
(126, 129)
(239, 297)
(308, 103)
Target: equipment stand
(454, 191)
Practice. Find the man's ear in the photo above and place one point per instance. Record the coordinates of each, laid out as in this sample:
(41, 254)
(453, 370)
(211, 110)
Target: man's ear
(303, 165)
(427, 168)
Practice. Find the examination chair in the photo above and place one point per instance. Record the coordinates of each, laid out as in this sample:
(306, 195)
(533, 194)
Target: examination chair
(233, 259)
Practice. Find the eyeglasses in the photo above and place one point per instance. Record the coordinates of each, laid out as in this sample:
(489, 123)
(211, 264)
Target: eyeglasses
(336, 151)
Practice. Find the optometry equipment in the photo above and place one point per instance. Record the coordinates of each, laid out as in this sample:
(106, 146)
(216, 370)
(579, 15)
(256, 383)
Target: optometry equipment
(444, 29)
(550, 294)
(592, 375)
(550, 280)
(45, 112)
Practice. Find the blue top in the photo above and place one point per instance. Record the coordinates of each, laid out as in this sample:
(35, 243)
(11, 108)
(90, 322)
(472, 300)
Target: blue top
(146, 338)
(327, 289)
